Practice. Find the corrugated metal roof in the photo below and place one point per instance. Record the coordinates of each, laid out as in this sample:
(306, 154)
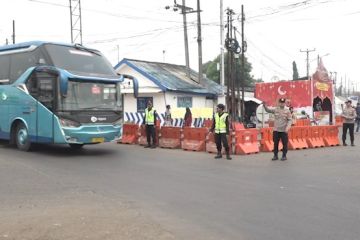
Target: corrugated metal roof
(173, 77)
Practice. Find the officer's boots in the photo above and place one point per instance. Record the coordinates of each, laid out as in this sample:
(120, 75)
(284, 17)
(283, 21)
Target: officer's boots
(228, 156)
(218, 155)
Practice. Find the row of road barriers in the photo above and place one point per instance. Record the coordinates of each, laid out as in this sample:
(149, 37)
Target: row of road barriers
(241, 140)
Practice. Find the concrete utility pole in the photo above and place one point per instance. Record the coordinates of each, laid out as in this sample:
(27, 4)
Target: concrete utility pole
(222, 68)
(243, 49)
(199, 40)
(75, 21)
(307, 60)
(184, 10)
(13, 35)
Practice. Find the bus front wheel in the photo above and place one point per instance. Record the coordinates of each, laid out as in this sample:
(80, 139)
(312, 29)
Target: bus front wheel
(76, 146)
(22, 137)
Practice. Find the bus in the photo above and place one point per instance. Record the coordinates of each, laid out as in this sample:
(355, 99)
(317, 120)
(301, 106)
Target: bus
(56, 93)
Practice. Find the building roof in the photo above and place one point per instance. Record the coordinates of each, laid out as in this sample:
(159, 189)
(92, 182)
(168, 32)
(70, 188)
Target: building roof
(171, 77)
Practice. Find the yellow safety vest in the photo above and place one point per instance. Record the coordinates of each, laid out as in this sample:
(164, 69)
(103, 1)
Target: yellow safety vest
(149, 116)
(220, 123)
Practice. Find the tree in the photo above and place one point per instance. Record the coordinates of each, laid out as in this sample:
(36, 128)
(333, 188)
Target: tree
(295, 71)
(212, 71)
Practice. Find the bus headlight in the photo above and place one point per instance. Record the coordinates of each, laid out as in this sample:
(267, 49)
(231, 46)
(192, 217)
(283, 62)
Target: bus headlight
(69, 123)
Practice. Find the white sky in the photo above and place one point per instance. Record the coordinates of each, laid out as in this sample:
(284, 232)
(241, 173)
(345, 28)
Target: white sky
(143, 29)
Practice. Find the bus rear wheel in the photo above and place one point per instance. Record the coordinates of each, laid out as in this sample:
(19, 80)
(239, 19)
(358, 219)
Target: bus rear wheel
(22, 138)
(76, 146)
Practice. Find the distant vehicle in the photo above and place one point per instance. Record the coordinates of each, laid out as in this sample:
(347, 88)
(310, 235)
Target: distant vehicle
(58, 93)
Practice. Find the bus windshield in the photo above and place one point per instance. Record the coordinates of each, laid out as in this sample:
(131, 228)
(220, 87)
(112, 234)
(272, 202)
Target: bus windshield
(90, 96)
(80, 60)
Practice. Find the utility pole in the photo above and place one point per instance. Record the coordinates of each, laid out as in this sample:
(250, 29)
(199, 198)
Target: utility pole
(232, 47)
(187, 61)
(199, 42)
(222, 68)
(307, 60)
(243, 49)
(13, 35)
(184, 10)
(75, 21)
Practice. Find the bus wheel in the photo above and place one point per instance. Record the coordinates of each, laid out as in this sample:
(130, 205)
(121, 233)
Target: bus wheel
(76, 146)
(22, 138)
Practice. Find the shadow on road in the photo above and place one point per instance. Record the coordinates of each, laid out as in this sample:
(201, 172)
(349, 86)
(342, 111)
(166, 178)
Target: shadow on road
(97, 150)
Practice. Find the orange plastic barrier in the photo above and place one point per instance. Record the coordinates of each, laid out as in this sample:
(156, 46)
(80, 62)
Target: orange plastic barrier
(296, 140)
(170, 137)
(266, 142)
(237, 126)
(211, 146)
(130, 134)
(315, 136)
(207, 123)
(194, 139)
(142, 140)
(331, 136)
(303, 122)
(246, 141)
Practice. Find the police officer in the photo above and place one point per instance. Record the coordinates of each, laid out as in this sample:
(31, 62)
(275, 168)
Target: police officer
(349, 116)
(150, 123)
(282, 124)
(220, 127)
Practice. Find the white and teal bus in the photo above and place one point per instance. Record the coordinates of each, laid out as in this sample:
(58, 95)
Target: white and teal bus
(58, 94)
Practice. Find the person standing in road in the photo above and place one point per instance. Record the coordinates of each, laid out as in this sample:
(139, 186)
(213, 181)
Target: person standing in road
(187, 118)
(167, 118)
(357, 116)
(150, 124)
(293, 116)
(220, 127)
(349, 116)
(282, 124)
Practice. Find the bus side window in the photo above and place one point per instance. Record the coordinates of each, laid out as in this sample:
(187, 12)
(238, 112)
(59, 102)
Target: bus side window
(4, 68)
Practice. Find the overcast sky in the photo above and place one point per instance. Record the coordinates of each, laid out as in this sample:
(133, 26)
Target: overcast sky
(275, 31)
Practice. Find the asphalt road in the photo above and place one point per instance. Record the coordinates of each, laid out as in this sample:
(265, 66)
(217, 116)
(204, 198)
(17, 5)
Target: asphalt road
(174, 194)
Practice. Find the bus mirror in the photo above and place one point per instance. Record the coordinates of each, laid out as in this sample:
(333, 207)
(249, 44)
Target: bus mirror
(135, 84)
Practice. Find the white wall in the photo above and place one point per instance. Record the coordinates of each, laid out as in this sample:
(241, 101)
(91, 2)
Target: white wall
(130, 102)
(160, 100)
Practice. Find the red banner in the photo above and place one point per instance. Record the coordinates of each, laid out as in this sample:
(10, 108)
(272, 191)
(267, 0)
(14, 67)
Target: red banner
(298, 92)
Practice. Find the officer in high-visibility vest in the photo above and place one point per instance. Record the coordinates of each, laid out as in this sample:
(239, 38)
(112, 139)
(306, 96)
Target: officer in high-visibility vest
(220, 128)
(150, 124)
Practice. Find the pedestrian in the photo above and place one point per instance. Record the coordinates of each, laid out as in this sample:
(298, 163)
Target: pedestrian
(357, 116)
(220, 127)
(167, 117)
(304, 115)
(282, 124)
(349, 116)
(318, 107)
(253, 120)
(187, 118)
(150, 123)
(293, 116)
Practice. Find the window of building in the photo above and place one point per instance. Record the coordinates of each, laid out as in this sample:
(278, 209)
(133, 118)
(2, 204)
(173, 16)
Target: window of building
(142, 103)
(183, 102)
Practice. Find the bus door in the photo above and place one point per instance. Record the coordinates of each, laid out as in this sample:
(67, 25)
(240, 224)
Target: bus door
(44, 90)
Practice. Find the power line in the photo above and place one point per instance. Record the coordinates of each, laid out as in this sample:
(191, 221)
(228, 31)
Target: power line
(133, 17)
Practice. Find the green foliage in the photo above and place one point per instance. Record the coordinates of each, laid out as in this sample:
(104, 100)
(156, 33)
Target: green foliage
(212, 72)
